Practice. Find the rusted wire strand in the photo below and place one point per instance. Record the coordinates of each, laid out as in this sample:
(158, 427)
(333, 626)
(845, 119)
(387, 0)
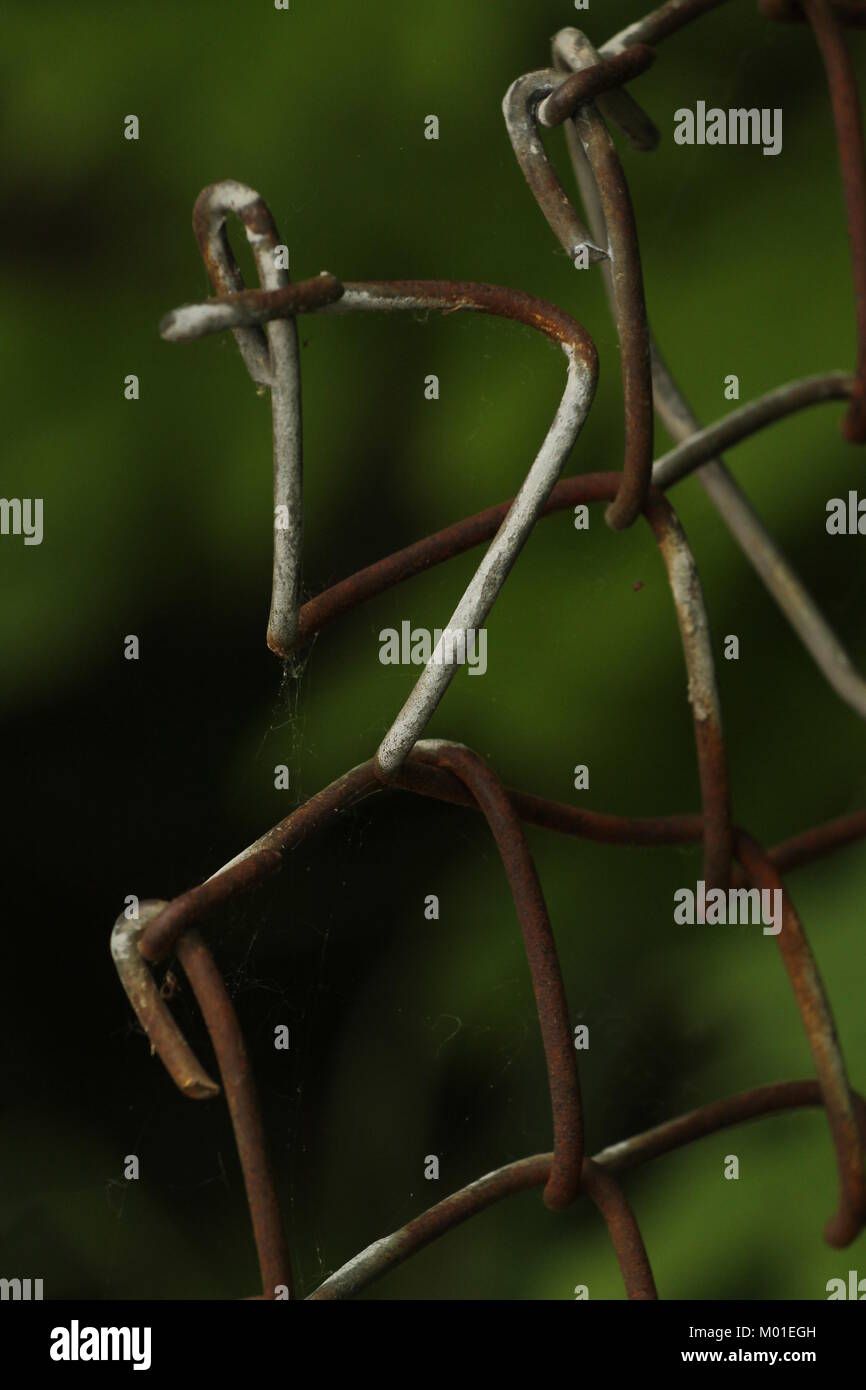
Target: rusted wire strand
(848, 1140)
(240, 1092)
(553, 1015)
(254, 864)
(347, 791)
(547, 983)
(608, 1197)
(631, 831)
(617, 105)
(848, 117)
(265, 856)
(386, 1254)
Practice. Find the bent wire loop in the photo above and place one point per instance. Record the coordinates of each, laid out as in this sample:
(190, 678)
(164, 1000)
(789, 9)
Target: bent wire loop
(616, 234)
(581, 91)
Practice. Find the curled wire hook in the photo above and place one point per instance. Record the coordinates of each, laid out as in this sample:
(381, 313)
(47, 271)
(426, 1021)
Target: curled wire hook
(520, 108)
(165, 1037)
(615, 230)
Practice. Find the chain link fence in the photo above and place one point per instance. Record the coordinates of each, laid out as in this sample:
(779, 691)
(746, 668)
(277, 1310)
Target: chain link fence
(584, 90)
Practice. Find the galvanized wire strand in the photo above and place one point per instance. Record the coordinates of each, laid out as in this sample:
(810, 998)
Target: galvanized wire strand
(810, 844)
(282, 376)
(761, 551)
(387, 1253)
(747, 420)
(482, 590)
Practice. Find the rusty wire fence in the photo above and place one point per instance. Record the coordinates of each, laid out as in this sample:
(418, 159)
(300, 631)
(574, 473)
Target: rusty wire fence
(584, 91)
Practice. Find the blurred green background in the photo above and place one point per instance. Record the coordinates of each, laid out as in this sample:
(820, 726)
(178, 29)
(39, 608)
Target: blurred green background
(409, 1037)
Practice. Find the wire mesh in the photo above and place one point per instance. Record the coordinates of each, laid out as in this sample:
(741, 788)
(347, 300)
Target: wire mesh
(583, 91)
